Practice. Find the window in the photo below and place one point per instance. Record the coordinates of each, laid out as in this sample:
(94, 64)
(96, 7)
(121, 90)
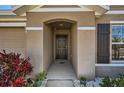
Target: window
(118, 42)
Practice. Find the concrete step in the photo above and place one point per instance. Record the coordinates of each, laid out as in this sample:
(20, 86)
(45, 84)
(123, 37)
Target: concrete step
(59, 83)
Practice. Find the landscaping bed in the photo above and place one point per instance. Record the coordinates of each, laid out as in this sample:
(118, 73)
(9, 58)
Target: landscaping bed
(92, 83)
(15, 71)
(117, 81)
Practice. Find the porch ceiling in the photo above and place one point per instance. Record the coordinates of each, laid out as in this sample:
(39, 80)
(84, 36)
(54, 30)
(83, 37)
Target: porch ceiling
(61, 25)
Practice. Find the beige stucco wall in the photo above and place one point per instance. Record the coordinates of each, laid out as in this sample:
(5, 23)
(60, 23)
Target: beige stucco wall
(85, 49)
(110, 17)
(102, 71)
(86, 54)
(47, 47)
(13, 39)
(83, 18)
(74, 47)
(35, 50)
(38, 44)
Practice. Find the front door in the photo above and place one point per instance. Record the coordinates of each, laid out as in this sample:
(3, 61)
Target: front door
(62, 47)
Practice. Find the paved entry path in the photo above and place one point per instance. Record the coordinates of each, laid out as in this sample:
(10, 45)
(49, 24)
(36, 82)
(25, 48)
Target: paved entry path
(60, 74)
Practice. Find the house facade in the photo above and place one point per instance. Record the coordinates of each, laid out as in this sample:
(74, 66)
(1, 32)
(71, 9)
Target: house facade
(89, 37)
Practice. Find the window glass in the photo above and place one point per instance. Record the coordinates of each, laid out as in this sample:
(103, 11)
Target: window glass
(116, 33)
(118, 48)
(122, 33)
(118, 51)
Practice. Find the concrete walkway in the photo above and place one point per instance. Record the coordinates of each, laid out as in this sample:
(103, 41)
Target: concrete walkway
(59, 83)
(61, 74)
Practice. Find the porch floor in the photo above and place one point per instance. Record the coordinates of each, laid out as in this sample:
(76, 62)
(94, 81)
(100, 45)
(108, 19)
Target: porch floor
(60, 75)
(61, 71)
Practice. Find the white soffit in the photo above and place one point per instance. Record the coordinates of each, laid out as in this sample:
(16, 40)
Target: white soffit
(7, 13)
(59, 9)
(12, 24)
(115, 12)
(23, 9)
(14, 7)
(96, 8)
(107, 7)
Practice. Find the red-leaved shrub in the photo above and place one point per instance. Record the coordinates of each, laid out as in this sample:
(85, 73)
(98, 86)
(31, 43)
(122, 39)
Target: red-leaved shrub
(13, 69)
(19, 82)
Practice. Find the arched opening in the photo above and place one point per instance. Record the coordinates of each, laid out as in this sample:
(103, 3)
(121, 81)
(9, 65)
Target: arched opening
(59, 45)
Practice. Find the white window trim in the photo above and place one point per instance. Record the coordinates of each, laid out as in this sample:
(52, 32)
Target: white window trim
(117, 61)
(117, 43)
(110, 65)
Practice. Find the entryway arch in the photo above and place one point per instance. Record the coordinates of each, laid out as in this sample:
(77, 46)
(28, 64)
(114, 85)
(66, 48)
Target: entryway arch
(60, 42)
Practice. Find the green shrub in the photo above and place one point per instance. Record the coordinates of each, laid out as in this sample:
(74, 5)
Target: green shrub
(83, 81)
(107, 82)
(41, 76)
(82, 78)
(119, 80)
(37, 81)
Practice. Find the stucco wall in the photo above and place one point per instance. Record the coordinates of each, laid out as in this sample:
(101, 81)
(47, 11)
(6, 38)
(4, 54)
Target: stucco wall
(109, 70)
(109, 17)
(85, 60)
(86, 54)
(47, 47)
(74, 47)
(35, 50)
(83, 18)
(13, 40)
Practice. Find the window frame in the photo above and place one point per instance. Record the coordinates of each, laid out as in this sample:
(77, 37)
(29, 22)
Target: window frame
(112, 60)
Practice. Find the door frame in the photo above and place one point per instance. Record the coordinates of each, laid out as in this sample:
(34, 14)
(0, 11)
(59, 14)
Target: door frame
(61, 32)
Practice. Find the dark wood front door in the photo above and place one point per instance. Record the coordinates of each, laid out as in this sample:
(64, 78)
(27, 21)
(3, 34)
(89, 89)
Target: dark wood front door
(61, 46)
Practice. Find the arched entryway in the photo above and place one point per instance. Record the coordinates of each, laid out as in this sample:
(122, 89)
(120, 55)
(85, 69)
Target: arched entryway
(60, 48)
